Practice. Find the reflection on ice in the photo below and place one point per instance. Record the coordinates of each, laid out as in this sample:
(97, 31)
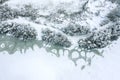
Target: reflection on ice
(12, 45)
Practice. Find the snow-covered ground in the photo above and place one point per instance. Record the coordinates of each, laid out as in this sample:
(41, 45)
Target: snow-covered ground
(38, 63)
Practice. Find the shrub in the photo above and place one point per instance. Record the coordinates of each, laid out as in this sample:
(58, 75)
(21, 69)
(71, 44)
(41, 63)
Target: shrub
(115, 1)
(7, 13)
(101, 39)
(55, 38)
(76, 30)
(20, 31)
(115, 31)
(114, 15)
(5, 27)
(28, 11)
(23, 32)
(96, 40)
(3, 1)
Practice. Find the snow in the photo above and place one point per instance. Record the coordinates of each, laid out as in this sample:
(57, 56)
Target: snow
(38, 63)
(91, 18)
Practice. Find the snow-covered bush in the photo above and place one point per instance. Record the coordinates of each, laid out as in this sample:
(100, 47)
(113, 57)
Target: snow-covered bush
(7, 13)
(115, 31)
(2, 1)
(57, 17)
(114, 15)
(117, 1)
(28, 11)
(101, 39)
(20, 31)
(5, 27)
(76, 29)
(55, 38)
(23, 32)
(96, 40)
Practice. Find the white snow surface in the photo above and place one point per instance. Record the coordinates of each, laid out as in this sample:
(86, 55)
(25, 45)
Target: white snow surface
(38, 64)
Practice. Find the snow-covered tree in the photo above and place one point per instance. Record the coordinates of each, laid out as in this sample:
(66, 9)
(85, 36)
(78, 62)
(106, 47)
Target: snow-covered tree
(21, 31)
(101, 39)
(115, 1)
(28, 11)
(7, 13)
(17, 30)
(97, 40)
(74, 29)
(2, 1)
(114, 15)
(55, 38)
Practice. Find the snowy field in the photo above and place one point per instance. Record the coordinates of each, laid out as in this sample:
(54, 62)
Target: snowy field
(57, 53)
(40, 65)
